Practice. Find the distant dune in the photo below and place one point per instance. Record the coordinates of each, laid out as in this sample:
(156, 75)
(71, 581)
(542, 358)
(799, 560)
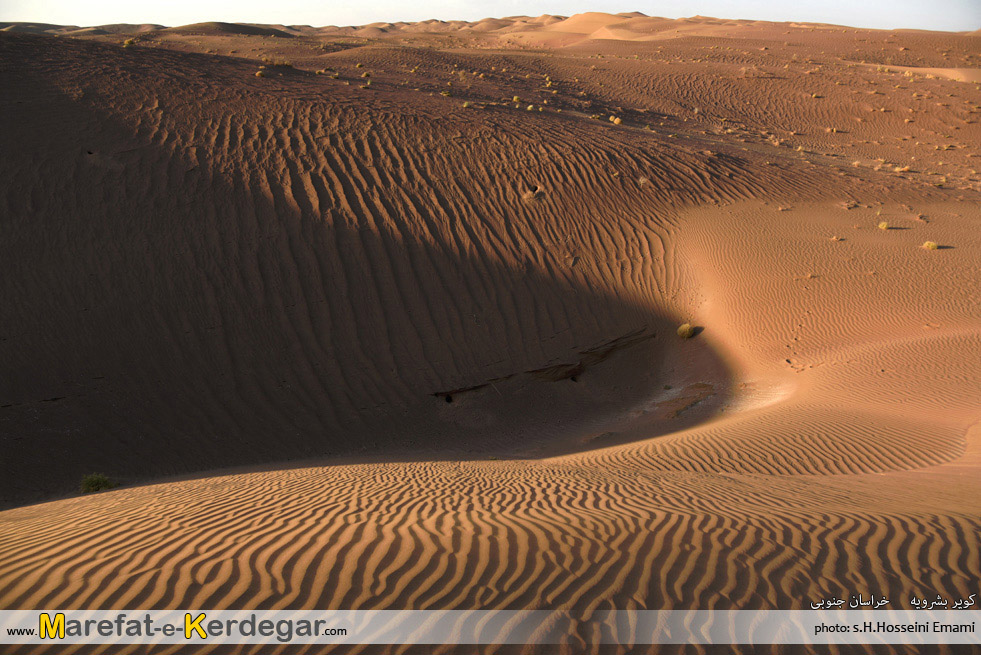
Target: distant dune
(386, 316)
(206, 29)
(623, 26)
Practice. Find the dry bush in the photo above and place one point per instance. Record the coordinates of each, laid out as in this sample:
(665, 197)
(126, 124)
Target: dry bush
(686, 331)
(277, 63)
(97, 482)
(533, 194)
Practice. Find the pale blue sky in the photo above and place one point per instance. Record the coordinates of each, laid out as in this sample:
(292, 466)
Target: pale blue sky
(955, 15)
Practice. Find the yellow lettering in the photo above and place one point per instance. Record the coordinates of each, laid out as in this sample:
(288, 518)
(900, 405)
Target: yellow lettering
(194, 625)
(52, 629)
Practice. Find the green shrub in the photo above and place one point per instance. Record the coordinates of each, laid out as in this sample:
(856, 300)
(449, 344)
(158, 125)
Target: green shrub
(686, 331)
(97, 482)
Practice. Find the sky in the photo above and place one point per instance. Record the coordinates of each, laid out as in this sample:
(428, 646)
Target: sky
(956, 15)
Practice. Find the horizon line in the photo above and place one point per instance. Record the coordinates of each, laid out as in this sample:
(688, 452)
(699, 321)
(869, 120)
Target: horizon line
(627, 15)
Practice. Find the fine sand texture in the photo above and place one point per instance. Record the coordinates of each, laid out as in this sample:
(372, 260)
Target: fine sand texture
(385, 317)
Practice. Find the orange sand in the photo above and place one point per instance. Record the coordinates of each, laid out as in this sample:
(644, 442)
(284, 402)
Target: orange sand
(438, 341)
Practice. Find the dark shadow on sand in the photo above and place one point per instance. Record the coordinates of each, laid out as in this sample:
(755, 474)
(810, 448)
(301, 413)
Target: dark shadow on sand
(211, 323)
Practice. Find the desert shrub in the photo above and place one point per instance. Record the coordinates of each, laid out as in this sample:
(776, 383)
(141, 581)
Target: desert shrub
(96, 482)
(686, 331)
(929, 245)
(533, 194)
(883, 225)
(260, 73)
(277, 63)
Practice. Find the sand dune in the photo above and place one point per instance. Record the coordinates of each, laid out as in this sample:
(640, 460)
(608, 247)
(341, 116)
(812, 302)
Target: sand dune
(972, 75)
(420, 318)
(33, 28)
(585, 23)
(412, 344)
(214, 28)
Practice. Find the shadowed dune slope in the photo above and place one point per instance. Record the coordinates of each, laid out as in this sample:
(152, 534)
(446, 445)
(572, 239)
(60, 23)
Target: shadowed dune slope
(215, 28)
(244, 272)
